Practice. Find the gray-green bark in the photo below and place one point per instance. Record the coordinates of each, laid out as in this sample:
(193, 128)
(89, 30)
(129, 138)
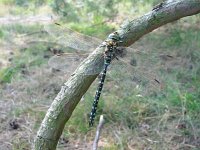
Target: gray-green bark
(72, 91)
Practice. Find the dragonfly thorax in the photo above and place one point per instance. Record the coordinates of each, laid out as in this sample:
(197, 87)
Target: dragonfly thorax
(111, 44)
(111, 47)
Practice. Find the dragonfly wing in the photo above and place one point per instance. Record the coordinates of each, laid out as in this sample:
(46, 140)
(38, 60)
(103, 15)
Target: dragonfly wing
(96, 67)
(70, 38)
(65, 63)
(133, 68)
(69, 62)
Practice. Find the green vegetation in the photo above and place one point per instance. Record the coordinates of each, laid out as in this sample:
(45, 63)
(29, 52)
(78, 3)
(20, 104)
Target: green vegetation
(163, 116)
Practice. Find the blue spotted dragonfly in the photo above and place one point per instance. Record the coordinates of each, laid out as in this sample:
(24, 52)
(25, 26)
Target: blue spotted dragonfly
(126, 69)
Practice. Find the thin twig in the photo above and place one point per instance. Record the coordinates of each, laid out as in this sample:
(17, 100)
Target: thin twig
(96, 140)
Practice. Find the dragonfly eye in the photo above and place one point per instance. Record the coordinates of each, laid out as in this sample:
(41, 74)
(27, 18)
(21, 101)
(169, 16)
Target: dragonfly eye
(114, 36)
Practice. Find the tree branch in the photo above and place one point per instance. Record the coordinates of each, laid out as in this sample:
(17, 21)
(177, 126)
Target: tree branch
(169, 11)
(76, 86)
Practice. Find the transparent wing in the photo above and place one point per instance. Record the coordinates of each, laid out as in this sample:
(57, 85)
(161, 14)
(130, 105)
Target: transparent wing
(70, 38)
(65, 62)
(134, 68)
(130, 67)
(69, 62)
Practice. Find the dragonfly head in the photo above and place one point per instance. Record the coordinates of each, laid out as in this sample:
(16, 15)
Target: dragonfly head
(115, 37)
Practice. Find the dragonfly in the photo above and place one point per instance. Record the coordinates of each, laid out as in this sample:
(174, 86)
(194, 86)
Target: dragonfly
(124, 57)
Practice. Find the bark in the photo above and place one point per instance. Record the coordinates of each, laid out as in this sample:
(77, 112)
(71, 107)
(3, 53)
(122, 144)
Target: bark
(72, 90)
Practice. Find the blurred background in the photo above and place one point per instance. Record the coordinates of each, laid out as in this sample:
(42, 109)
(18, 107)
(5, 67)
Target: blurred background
(148, 115)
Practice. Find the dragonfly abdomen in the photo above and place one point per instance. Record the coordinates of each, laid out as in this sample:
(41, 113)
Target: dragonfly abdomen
(97, 95)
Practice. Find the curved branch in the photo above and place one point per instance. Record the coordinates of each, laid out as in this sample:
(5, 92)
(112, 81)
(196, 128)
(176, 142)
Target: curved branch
(76, 86)
(168, 11)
